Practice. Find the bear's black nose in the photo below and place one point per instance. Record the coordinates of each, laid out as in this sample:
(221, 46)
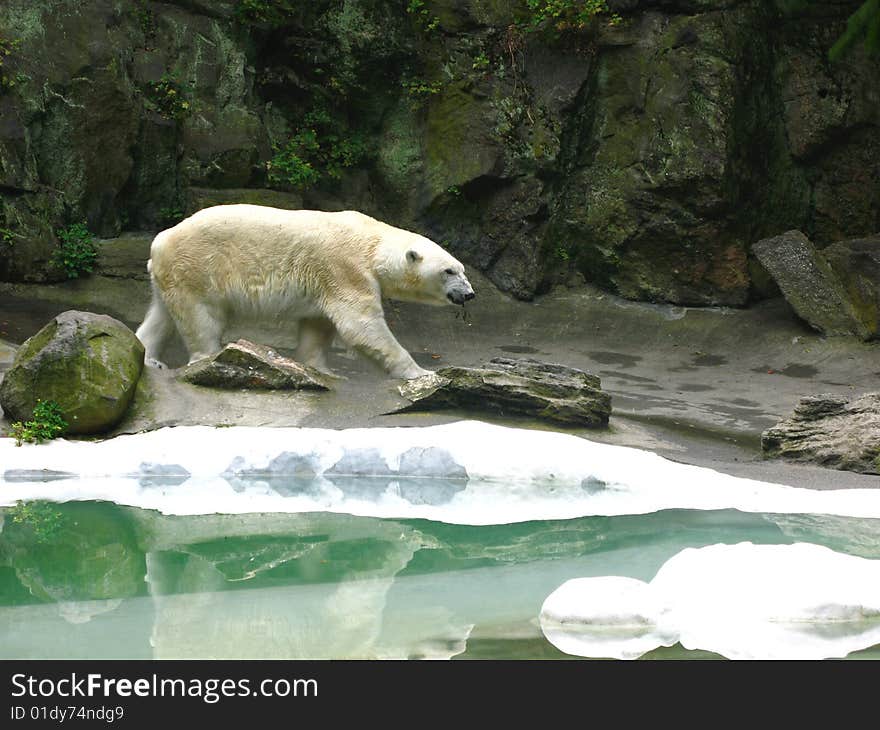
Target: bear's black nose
(469, 296)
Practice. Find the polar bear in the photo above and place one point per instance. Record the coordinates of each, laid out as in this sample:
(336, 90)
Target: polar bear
(328, 271)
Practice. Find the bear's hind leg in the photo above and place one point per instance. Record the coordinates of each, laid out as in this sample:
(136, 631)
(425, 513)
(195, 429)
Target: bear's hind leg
(200, 325)
(155, 331)
(315, 337)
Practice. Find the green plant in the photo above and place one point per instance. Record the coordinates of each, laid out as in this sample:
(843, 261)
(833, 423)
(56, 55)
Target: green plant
(864, 24)
(146, 19)
(268, 12)
(170, 215)
(6, 80)
(426, 22)
(321, 148)
(419, 89)
(564, 16)
(481, 62)
(6, 236)
(168, 96)
(76, 252)
(47, 423)
(44, 518)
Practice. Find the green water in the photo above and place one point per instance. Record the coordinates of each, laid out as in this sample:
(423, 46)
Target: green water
(97, 580)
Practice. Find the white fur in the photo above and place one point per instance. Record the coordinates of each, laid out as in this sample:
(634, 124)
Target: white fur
(328, 271)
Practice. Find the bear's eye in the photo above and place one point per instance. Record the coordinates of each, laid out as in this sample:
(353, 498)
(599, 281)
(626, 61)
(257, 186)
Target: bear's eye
(449, 272)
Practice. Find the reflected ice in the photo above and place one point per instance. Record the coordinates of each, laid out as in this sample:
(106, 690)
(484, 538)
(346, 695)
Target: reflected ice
(142, 584)
(742, 601)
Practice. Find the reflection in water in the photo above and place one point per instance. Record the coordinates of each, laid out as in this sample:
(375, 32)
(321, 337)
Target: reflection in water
(93, 579)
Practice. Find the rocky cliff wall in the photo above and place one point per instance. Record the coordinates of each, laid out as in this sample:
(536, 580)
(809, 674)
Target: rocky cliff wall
(645, 156)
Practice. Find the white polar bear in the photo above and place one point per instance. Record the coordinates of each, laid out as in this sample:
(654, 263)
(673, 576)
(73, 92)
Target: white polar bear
(329, 271)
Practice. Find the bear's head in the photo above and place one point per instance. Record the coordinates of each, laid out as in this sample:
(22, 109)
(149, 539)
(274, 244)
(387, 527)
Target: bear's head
(441, 276)
(426, 273)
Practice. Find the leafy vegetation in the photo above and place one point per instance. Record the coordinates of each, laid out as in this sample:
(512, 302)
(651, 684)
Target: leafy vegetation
(863, 24)
(76, 252)
(6, 48)
(146, 19)
(427, 23)
(167, 94)
(566, 16)
(273, 13)
(46, 424)
(481, 62)
(44, 518)
(320, 149)
(419, 89)
(170, 216)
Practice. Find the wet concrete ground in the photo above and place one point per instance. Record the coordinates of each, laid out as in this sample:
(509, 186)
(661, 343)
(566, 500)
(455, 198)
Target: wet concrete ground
(697, 385)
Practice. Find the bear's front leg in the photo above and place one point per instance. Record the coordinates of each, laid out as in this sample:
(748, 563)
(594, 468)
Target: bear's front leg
(368, 333)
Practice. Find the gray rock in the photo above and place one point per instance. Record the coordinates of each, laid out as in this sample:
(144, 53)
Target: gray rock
(830, 431)
(519, 387)
(430, 462)
(361, 474)
(162, 475)
(361, 463)
(244, 364)
(430, 476)
(36, 475)
(125, 257)
(7, 354)
(808, 283)
(430, 491)
(89, 364)
(856, 262)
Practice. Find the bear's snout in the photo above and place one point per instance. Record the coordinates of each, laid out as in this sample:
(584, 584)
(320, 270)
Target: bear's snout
(460, 296)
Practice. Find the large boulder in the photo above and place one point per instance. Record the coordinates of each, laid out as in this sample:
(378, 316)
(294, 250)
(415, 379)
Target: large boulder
(809, 284)
(856, 262)
(89, 364)
(514, 387)
(831, 431)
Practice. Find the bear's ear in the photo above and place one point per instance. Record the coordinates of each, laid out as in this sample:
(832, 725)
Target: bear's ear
(413, 256)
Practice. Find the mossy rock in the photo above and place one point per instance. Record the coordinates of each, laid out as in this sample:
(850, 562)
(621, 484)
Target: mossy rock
(198, 198)
(89, 364)
(79, 551)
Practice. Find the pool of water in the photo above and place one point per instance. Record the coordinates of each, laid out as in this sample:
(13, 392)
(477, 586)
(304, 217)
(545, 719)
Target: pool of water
(94, 579)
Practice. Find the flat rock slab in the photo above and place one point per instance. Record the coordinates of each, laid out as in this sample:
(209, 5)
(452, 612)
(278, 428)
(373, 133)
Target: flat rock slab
(809, 284)
(856, 262)
(832, 431)
(245, 364)
(522, 387)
